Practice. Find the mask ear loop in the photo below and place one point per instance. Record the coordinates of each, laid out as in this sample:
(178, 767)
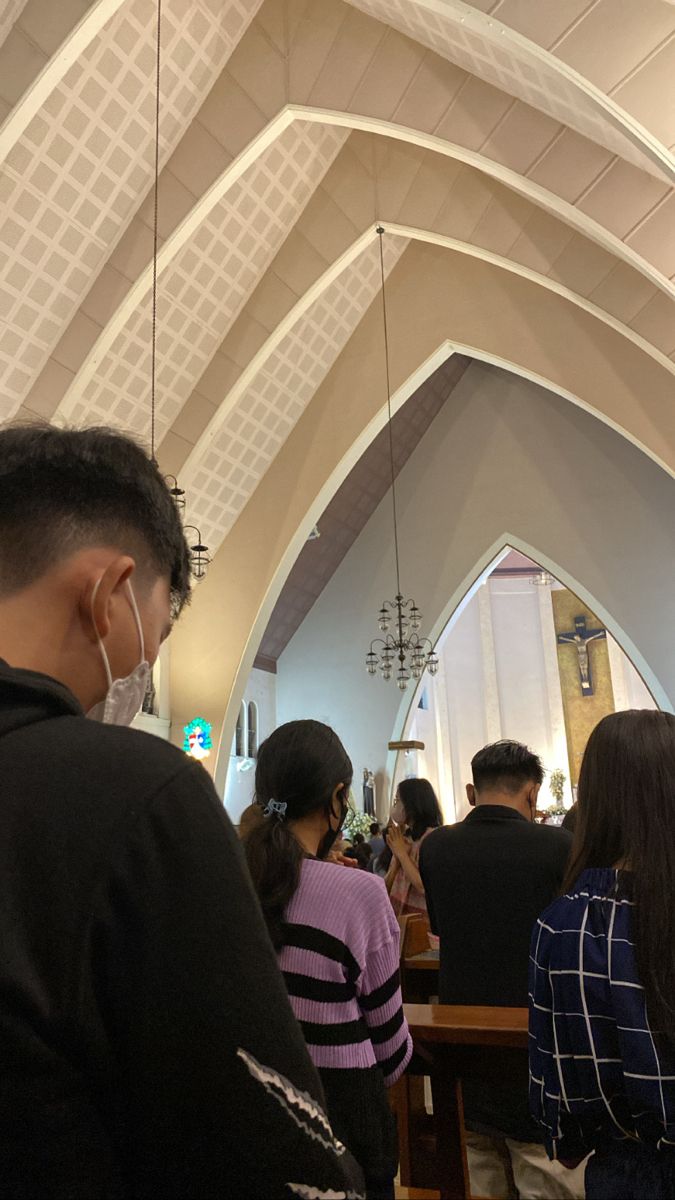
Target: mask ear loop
(104, 654)
(134, 609)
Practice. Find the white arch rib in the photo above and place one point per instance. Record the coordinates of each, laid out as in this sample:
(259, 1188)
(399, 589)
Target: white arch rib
(53, 72)
(538, 195)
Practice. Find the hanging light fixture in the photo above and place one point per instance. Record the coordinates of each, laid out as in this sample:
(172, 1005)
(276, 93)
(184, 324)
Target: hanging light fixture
(402, 650)
(199, 552)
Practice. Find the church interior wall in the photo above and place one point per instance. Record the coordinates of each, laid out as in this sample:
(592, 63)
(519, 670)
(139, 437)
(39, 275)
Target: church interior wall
(240, 782)
(504, 459)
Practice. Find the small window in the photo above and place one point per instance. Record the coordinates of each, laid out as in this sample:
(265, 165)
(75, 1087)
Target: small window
(424, 702)
(252, 729)
(240, 734)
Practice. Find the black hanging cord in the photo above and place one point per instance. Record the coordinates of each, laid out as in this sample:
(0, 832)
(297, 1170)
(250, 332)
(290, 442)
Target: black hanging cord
(155, 244)
(380, 232)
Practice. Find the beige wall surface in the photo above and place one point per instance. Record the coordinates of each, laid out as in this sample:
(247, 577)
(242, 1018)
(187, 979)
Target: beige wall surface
(505, 461)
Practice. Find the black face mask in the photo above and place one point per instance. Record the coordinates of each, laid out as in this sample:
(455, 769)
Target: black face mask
(330, 837)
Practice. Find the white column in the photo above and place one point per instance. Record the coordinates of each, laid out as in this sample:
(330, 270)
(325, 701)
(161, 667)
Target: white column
(493, 717)
(441, 713)
(556, 715)
(617, 672)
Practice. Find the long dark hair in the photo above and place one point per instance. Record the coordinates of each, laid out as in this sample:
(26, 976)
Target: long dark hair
(422, 810)
(299, 765)
(626, 816)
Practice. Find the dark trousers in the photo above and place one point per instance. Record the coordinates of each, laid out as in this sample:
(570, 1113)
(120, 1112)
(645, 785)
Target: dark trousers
(630, 1171)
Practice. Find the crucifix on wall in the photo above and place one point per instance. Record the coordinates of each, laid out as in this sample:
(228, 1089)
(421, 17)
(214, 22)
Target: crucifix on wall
(579, 637)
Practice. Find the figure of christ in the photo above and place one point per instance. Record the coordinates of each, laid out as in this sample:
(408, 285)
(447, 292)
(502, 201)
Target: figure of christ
(580, 637)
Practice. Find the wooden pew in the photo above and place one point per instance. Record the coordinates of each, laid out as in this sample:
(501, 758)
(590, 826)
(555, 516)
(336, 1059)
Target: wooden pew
(450, 1036)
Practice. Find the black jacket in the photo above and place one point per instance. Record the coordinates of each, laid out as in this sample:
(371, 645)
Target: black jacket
(487, 879)
(146, 1040)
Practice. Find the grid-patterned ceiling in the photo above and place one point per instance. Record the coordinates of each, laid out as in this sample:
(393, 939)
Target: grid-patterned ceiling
(267, 211)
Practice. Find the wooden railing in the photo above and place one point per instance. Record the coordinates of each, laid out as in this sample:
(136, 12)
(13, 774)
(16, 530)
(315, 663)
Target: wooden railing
(448, 1039)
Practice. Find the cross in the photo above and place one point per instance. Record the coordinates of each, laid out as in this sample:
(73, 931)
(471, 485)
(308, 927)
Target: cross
(579, 638)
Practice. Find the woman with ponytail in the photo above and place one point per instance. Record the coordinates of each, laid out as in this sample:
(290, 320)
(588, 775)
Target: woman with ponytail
(602, 970)
(336, 938)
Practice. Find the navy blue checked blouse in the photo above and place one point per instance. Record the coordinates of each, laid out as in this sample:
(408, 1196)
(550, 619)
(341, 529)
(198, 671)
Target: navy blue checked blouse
(595, 1070)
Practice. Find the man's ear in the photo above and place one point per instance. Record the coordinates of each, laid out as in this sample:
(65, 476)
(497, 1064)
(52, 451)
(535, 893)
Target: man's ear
(534, 796)
(471, 794)
(98, 592)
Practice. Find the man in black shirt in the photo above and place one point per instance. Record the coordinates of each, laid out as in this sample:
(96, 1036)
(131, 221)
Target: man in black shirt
(147, 1044)
(487, 879)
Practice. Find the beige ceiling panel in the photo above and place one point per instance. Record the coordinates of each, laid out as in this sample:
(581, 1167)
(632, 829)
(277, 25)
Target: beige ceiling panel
(52, 383)
(298, 264)
(379, 92)
(353, 189)
(582, 265)
(206, 284)
(175, 200)
(656, 323)
(103, 298)
(230, 115)
(429, 192)
(9, 13)
(46, 23)
(622, 197)
(270, 302)
(649, 94)
(623, 293)
(396, 166)
(502, 222)
(655, 239)
(20, 62)
(325, 226)
(570, 165)
(543, 21)
(614, 37)
(133, 252)
(220, 375)
(86, 159)
(542, 242)
(198, 160)
(77, 341)
(466, 204)
(316, 29)
(351, 53)
(174, 451)
(190, 423)
(258, 67)
(474, 113)
(429, 94)
(521, 138)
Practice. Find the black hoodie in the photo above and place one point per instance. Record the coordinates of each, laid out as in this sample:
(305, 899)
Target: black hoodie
(147, 1047)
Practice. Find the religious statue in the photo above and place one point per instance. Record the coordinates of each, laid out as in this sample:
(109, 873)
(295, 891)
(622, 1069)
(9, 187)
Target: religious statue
(368, 792)
(579, 637)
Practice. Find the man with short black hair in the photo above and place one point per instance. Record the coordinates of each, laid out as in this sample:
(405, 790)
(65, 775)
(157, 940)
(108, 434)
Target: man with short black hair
(147, 1044)
(486, 880)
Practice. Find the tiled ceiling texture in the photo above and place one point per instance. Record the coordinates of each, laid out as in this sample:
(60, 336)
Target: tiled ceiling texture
(222, 476)
(205, 286)
(74, 179)
(463, 135)
(352, 506)
(484, 45)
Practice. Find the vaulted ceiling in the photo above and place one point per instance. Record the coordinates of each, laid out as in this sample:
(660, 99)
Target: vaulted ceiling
(534, 136)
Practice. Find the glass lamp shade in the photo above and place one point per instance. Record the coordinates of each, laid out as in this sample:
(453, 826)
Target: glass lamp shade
(384, 620)
(417, 670)
(415, 618)
(371, 663)
(402, 679)
(432, 664)
(386, 671)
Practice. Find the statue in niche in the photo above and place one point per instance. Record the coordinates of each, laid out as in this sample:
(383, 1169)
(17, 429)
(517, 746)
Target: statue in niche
(368, 792)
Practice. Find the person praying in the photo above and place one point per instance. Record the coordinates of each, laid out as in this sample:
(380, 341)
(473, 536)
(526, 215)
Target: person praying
(415, 813)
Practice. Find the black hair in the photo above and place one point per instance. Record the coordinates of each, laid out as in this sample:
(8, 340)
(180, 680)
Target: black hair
(299, 766)
(569, 821)
(422, 810)
(62, 490)
(374, 829)
(505, 766)
(626, 818)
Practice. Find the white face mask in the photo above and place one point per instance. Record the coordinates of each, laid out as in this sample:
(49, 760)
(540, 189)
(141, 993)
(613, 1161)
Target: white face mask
(124, 696)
